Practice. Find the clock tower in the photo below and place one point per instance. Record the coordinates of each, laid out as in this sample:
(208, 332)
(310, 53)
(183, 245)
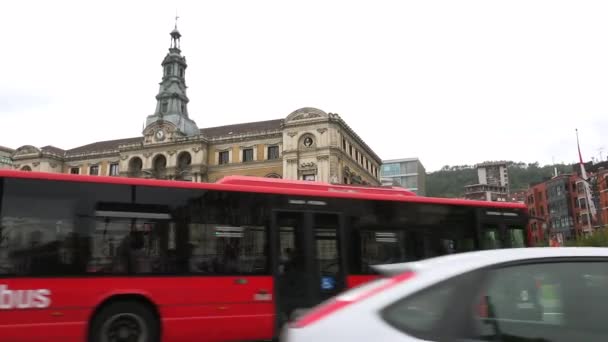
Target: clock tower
(170, 119)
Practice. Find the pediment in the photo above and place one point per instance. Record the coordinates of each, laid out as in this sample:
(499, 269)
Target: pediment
(306, 113)
(26, 150)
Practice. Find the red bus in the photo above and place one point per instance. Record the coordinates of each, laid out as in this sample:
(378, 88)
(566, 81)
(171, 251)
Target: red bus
(93, 258)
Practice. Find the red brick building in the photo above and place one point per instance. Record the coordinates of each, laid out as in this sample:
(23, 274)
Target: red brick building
(536, 199)
(558, 209)
(602, 179)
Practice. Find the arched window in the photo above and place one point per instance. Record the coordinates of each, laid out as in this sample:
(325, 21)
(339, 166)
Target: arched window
(159, 163)
(135, 165)
(182, 172)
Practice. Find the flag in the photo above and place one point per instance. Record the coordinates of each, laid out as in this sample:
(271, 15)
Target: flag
(589, 200)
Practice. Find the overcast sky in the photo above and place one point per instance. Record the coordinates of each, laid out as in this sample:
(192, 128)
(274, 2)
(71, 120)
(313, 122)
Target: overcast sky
(450, 82)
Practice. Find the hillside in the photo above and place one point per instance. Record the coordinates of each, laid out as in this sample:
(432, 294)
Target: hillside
(450, 180)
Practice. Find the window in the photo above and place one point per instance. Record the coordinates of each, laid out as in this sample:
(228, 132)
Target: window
(350, 150)
(420, 314)
(181, 72)
(167, 70)
(344, 144)
(308, 177)
(183, 106)
(222, 249)
(491, 238)
(555, 301)
(248, 155)
(391, 170)
(94, 170)
(67, 228)
(131, 246)
(46, 226)
(381, 247)
(221, 232)
(75, 170)
(273, 152)
(164, 107)
(114, 169)
(223, 157)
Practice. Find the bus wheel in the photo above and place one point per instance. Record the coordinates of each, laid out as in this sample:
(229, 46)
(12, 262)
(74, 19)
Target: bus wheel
(124, 321)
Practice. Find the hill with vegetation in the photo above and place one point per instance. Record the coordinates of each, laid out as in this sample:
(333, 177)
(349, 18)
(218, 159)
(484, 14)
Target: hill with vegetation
(451, 180)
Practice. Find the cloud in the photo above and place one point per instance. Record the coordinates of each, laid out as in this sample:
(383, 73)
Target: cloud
(13, 101)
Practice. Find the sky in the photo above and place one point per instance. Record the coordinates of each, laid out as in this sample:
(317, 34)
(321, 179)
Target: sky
(449, 82)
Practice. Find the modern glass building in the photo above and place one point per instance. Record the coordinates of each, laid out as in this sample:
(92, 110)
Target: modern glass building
(408, 173)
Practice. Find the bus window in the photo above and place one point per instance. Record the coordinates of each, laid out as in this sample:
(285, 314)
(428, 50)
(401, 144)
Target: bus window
(381, 247)
(491, 237)
(222, 249)
(517, 236)
(133, 246)
(44, 225)
(327, 253)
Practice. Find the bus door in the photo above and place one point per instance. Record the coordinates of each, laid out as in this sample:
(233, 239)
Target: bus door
(500, 229)
(310, 265)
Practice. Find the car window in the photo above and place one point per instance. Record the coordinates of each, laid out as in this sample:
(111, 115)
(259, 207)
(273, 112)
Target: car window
(419, 314)
(547, 301)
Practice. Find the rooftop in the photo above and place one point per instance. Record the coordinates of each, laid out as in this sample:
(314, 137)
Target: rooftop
(390, 161)
(6, 149)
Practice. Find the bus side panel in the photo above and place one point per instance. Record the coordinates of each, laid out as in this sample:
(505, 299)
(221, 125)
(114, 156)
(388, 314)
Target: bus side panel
(38, 309)
(219, 309)
(205, 308)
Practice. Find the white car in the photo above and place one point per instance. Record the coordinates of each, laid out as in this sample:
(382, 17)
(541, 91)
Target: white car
(527, 294)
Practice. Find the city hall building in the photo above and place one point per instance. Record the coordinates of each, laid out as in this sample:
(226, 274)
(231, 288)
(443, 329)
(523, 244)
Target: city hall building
(307, 144)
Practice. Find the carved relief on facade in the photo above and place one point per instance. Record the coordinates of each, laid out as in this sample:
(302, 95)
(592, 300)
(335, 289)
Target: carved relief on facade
(308, 166)
(306, 113)
(307, 141)
(26, 150)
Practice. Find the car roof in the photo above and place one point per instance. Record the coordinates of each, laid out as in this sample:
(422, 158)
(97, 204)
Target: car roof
(484, 258)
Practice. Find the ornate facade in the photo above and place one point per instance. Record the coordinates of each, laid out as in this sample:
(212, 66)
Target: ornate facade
(308, 144)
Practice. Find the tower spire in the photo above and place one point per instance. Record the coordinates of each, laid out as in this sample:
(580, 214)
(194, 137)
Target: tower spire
(171, 100)
(175, 36)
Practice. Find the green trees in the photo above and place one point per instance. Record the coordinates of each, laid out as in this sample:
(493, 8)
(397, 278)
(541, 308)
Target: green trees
(598, 238)
(450, 180)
